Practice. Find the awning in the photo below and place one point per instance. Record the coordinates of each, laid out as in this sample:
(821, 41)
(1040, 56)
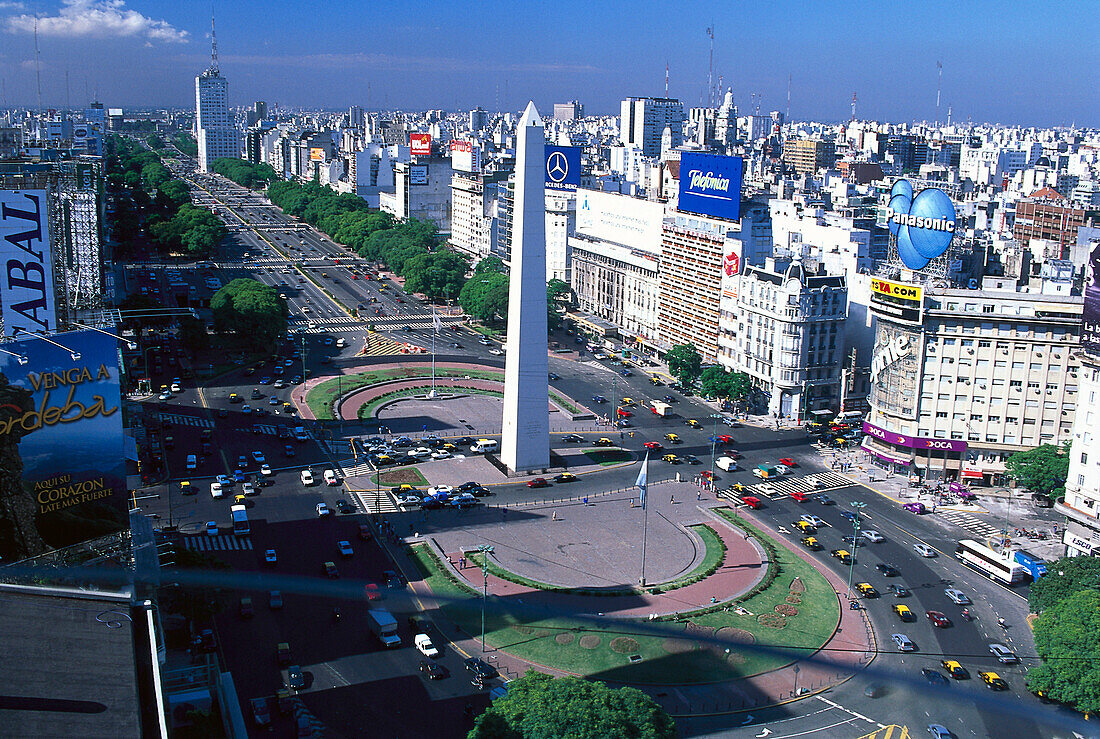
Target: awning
(883, 456)
(976, 474)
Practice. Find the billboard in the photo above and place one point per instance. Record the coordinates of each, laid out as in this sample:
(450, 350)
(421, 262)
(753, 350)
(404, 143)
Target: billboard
(316, 154)
(27, 300)
(620, 219)
(418, 174)
(465, 156)
(710, 185)
(923, 225)
(420, 144)
(898, 300)
(922, 443)
(62, 438)
(563, 167)
(1090, 317)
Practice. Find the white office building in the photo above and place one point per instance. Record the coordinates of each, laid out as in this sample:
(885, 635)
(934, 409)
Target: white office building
(1081, 505)
(215, 129)
(644, 120)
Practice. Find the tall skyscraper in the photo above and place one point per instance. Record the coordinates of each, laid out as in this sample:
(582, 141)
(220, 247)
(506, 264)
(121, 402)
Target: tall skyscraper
(645, 119)
(215, 130)
(525, 440)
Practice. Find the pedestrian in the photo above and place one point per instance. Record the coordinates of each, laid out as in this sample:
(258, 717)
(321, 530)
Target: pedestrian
(699, 495)
(462, 563)
(586, 500)
(554, 517)
(672, 499)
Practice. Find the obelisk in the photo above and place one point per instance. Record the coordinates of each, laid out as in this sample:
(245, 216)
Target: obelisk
(525, 440)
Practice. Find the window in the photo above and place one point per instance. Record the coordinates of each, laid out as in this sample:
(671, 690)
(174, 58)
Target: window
(999, 363)
(1017, 365)
(1084, 458)
(984, 344)
(941, 414)
(1015, 383)
(949, 342)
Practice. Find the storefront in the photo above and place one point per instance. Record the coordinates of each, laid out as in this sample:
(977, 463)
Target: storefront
(932, 459)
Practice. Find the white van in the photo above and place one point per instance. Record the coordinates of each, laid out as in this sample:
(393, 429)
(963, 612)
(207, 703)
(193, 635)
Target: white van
(729, 464)
(484, 445)
(849, 417)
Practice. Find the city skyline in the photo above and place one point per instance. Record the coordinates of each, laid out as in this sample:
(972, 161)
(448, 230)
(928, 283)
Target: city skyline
(1000, 64)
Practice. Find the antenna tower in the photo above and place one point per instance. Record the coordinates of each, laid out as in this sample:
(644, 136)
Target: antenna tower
(854, 101)
(213, 43)
(788, 118)
(710, 68)
(939, 85)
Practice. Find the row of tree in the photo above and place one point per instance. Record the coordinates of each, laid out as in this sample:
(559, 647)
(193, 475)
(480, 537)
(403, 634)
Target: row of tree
(686, 365)
(245, 173)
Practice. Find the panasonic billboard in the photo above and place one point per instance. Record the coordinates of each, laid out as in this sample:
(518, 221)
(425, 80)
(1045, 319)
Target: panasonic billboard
(923, 225)
(710, 185)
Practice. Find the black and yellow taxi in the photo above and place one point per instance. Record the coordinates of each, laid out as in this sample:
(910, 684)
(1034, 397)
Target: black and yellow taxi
(604, 441)
(672, 438)
(627, 401)
(805, 527)
(693, 423)
(811, 543)
(671, 459)
(866, 590)
(954, 669)
(843, 555)
(993, 680)
(904, 613)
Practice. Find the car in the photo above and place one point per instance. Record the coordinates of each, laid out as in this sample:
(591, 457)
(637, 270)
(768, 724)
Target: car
(954, 669)
(345, 548)
(344, 506)
(673, 439)
(810, 542)
(625, 372)
(812, 520)
(552, 376)
(904, 643)
(1003, 654)
(392, 579)
(565, 477)
(247, 488)
(805, 527)
(849, 515)
(898, 591)
(295, 679)
(957, 597)
(480, 670)
(924, 550)
(440, 491)
(843, 555)
(330, 570)
(934, 677)
(599, 399)
(887, 569)
(176, 387)
(306, 476)
(265, 380)
(440, 454)
(786, 461)
(484, 342)
(654, 445)
(624, 413)
(433, 670)
(462, 500)
(421, 452)
(603, 441)
(496, 352)
(938, 619)
(672, 459)
(538, 482)
(872, 536)
(279, 384)
(245, 608)
(904, 613)
(246, 409)
(402, 442)
(693, 423)
(225, 481)
(423, 644)
(166, 395)
(939, 731)
(216, 490)
(331, 478)
(917, 508)
(323, 510)
(692, 459)
(622, 423)
(270, 557)
(211, 528)
(408, 501)
(822, 498)
(993, 680)
(866, 590)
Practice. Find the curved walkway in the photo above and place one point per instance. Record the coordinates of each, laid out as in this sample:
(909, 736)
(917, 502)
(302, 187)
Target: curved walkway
(351, 403)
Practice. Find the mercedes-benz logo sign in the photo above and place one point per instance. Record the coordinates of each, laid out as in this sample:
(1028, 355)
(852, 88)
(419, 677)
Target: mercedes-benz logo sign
(557, 167)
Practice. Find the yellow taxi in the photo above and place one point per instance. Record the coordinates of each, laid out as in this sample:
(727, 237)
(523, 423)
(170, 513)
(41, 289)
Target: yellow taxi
(993, 680)
(603, 441)
(805, 527)
(185, 488)
(693, 423)
(843, 555)
(954, 669)
(627, 401)
(904, 613)
(655, 380)
(866, 590)
(671, 459)
(672, 438)
(739, 487)
(811, 543)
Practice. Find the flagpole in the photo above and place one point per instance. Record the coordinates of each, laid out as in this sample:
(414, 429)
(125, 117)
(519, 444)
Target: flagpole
(435, 331)
(642, 484)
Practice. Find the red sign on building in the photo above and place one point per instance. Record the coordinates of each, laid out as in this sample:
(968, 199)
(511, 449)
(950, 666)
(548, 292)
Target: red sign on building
(421, 144)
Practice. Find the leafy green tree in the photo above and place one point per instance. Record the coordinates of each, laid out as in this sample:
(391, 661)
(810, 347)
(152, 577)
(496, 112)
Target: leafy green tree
(1040, 470)
(559, 296)
(436, 274)
(489, 264)
(244, 173)
(154, 141)
(740, 385)
(485, 297)
(684, 363)
(192, 334)
(1064, 577)
(251, 310)
(1067, 639)
(715, 381)
(538, 705)
(171, 196)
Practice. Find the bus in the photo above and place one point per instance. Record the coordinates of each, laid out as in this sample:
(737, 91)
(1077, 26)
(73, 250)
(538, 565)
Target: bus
(1034, 566)
(990, 563)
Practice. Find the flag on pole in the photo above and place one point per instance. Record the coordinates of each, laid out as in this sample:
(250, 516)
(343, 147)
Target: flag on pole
(643, 475)
(435, 320)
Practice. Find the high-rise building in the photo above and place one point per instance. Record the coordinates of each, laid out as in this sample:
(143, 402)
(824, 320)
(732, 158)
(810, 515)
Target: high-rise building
(570, 111)
(215, 129)
(644, 120)
(807, 156)
(479, 119)
(1049, 216)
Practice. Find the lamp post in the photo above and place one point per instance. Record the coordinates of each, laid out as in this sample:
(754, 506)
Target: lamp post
(855, 542)
(485, 551)
(713, 441)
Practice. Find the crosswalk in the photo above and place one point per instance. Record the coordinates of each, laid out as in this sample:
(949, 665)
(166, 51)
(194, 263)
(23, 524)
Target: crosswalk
(969, 522)
(816, 483)
(178, 419)
(219, 543)
(360, 469)
(375, 501)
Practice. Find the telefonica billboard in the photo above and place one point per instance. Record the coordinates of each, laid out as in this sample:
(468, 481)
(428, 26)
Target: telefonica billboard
(63, 479)
(924, 225)
(710, 185)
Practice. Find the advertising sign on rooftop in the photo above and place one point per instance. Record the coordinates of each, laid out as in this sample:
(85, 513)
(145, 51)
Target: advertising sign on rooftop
(316, 154)
(27, 301)
(563, 167)
(418, 174)
(710, 185)
(1090, 317)
(465, 156)
(924, 225)
(61, 434)
(620, 219)
(420, 144)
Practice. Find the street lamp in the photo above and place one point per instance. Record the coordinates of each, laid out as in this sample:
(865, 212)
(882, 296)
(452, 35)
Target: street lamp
(713, 441)
(855, 542)
(485, 551)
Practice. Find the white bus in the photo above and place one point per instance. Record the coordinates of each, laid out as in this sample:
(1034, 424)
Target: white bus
(990, 563)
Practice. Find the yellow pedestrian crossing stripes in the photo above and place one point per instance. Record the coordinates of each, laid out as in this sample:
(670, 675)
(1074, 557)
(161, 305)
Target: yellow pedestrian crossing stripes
(377, 345)
(893, 731)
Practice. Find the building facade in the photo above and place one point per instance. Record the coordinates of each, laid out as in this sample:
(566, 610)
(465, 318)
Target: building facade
(1081, 504)
(644, 120)
(1048, 217)
(215, 129)
(691, 284)
(807, 156)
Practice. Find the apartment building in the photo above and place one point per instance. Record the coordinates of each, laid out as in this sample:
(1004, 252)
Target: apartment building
(807, 156)
(1049, 216)
(1081, 504)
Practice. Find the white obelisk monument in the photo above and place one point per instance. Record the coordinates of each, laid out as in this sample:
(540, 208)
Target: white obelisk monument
(525, 440)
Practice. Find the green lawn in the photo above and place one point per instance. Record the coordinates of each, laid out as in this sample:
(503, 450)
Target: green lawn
(670, 659)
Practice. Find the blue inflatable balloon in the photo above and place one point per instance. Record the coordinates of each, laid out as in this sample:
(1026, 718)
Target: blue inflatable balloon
(932, 204)
(909, 256)
(898, 204)
(902, 187)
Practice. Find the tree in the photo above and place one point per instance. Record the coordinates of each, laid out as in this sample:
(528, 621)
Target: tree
(684, 363)
(489, 264)
(192, 334)
(559, 296)
(740, 385)
(436, 274)
(1064, 577)
(485, 297)
(1067, 639)
(251, 310)
(538, 705)
(1040, 470)
(715, 382)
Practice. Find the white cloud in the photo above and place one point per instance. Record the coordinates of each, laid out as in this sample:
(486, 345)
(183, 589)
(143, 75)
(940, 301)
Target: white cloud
(96, 19)
(12, 6)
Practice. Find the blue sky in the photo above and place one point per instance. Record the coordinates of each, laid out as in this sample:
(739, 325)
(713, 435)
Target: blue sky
(1031, 63)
